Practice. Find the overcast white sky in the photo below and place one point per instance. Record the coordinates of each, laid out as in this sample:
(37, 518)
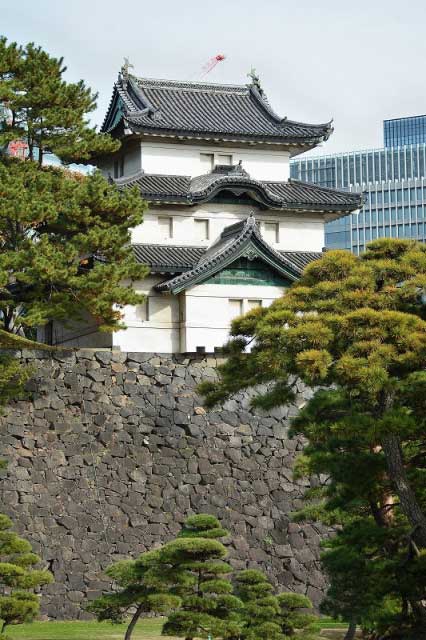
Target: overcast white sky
(358, 62)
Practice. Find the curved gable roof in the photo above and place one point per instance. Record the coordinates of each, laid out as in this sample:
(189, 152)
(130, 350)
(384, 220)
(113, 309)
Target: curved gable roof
(291, 195)
(242, 239)
(205, 110)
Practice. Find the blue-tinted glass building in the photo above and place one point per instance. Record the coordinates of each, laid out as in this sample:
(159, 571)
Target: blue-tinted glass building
(394, 182)
(402, 131)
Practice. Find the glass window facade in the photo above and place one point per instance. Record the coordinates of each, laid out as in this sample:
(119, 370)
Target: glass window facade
(404, 131)
(394, 183)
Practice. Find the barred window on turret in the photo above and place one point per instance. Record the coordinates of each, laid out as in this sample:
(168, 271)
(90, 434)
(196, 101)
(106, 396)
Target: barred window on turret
(201, 229)
(271, 232)
(165, 225)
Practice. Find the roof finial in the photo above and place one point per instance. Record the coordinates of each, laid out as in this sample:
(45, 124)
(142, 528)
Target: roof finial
(255, 82)
(125, 69)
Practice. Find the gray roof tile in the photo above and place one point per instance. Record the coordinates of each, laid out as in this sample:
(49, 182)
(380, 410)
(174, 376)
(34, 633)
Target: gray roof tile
(166, 258)
(291, 195)
(206, 110)
(173, 259)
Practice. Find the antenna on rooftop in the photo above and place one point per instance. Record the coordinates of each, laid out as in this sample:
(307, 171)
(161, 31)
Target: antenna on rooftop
(210, 64)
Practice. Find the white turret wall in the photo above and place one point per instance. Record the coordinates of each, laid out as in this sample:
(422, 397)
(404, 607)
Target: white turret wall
(295, 231)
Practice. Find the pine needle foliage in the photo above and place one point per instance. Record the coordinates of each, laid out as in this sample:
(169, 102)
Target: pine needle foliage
(143, 586)
(65, 252)
(50, 114)
(268, 616)
(354, 329)
(19, 577)
(261, 613)
(208, 606)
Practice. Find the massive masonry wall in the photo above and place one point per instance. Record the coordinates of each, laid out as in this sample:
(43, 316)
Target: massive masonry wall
(113, 450)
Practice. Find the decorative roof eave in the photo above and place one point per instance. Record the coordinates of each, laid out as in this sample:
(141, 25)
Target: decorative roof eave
(193, 191)
(172, 259)
(154, 108)
(249, 243)
(293, 144)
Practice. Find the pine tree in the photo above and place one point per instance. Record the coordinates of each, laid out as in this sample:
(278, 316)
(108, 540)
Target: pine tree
(355, 325)
(49, 113)
(261, 613)
(142, 586)
(272, 617)
(18, 578)
(208, 606)
(296, 620)
(187, 574)
(65, 250)
(363, 562)
(367, 560)
(64, 237)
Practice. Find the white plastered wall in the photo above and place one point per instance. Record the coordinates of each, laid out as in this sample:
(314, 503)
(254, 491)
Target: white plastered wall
(184, 160)
(152, 326)
(297, 231)
(208, 312)
(198, 317)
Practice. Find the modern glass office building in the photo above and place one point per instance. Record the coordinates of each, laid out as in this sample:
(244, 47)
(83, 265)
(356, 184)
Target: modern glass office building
(394, 182)
(402, 131)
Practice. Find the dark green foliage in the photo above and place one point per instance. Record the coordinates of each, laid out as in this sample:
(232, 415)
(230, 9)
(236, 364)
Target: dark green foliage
(188, 572)
(268, 616)
(145, 584)
(52, 223)
(296, 619)
(12, 378)
(64, 237)
(18, 578)
(355, 326)
(13, 375)
(49, 113)
(208, 606)
(261, 608)
(202, 526)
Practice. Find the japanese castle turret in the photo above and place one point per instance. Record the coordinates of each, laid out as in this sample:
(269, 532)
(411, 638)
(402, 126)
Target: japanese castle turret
(226, 229)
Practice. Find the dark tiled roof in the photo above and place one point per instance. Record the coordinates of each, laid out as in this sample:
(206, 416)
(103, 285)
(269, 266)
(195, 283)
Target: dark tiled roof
(242, 239)
(291, 195)
(196, 109)
(301, 258)
(166, 258)
(172, 259)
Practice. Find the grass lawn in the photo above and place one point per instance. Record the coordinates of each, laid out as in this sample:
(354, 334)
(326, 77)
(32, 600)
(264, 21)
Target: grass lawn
(145, 630)
(149, 629)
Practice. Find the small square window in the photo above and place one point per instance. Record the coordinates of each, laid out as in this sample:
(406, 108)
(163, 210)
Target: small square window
(270, 232)
(201, 229)
(253, 304)
(207, 162)
(235, 306)
(119, 168)
(224, 158)
(166, 227)
(159, 309)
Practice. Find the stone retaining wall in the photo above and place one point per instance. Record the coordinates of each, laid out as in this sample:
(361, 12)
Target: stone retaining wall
(112, 451)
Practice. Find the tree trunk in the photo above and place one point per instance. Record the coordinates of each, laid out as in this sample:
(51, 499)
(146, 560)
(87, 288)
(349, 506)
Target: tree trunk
(408, 501)
(133, 622)
(350, 633)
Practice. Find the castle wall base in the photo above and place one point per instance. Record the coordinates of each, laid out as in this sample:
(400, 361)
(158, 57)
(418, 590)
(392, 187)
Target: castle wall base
(113, 450)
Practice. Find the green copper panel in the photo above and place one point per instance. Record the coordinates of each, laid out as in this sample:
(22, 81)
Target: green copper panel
(245, 271)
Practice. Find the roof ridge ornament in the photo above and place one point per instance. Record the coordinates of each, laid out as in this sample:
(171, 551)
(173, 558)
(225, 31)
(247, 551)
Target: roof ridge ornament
(255, 81)
(125, 70)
